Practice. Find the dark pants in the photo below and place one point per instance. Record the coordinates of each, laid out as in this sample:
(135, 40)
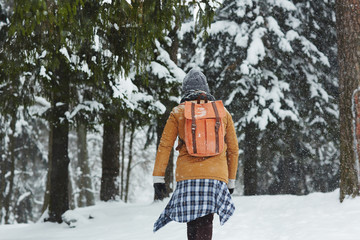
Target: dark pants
(200, 228)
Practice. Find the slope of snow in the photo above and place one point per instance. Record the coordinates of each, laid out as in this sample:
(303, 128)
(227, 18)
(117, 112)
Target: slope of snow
(317, 216)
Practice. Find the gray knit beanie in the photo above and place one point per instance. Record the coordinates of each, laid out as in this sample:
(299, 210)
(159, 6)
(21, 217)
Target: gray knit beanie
(195, 80)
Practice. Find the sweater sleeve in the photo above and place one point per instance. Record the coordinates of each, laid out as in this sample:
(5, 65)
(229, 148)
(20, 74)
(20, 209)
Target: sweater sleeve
(165, 146)
(232, 147)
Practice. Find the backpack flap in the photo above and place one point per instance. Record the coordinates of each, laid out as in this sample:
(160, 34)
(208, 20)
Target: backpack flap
(205, 110)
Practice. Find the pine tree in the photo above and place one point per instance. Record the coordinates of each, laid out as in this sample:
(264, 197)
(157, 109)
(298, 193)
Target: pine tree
(16, 88)
(56, 74)
(271, 77)
(135, 49)
(321, 125)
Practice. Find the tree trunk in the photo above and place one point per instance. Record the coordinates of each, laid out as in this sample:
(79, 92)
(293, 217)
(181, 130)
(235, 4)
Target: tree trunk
(72, 189)
(86, 196)
(9, 194)
(290, 176)
(23, 208)
(169, 172)
(2, 174)
(59, 172)
(250, 159)
(348, 35)
(110, 159)
(59, 175)
(174, 48)
(284, 186)
(123, 159)
(47, 190)
(128, 171)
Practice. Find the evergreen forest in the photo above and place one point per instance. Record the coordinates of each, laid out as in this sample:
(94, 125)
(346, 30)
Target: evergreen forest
(86, 87)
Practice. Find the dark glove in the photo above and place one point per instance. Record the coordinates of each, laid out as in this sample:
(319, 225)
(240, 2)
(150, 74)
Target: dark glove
(231, 190)
(160, 190)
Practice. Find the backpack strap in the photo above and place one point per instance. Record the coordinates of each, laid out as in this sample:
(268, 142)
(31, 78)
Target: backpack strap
(217, 126)
(193, 126)
(199, 98)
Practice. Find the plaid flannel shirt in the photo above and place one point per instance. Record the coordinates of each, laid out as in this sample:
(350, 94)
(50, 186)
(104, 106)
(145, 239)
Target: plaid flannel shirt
(196, 198)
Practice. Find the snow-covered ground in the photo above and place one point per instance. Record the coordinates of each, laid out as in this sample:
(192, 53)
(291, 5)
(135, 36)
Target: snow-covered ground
(317, 216)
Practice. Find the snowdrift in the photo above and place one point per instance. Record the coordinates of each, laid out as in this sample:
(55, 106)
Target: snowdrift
(318, 216)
